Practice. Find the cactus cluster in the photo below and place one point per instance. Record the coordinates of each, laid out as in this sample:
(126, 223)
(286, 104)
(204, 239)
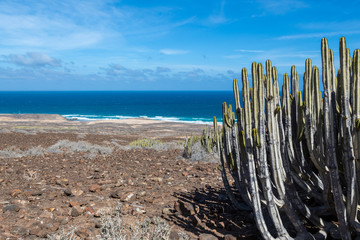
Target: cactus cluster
(145, 143)
(207, 141)
(294, 158)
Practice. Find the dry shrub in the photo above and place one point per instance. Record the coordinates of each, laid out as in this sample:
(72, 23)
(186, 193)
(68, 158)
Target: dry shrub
(62, 146)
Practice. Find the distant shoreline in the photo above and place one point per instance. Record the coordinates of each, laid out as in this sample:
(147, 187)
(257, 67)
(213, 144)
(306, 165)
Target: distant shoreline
(62, 118)
(87, 118)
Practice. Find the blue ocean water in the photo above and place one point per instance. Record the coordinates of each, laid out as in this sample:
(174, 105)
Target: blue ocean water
(188, 106)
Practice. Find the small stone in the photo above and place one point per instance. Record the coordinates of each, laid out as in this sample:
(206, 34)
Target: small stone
(82, 233)
(52, 195)
(75, 211)
(36, 193)
(156, 179)
(97, 224)
(104, 182)
(119, 183)
(73, 192)
(40, 233)
(229, 237)
(46, 214)
(100, 209)
(149, 199)
(20, 202)
(188, 168)
(62, 219)
(95, 188)
(184, 208)
(38, 230)
(141, 194)
(11, 208)
(52, 225)
(130, 182)
(89, 210)
(138, 210)
(74, 203)
(205, 236)
(77, 192)
(222, 224)
(167, 211)
(62, 182)
(196, 221)
(68, 192)
(123, 196)
(128, 197)
(15, 192)
(116, 194)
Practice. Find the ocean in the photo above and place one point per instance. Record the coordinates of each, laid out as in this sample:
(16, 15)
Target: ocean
(175, 106)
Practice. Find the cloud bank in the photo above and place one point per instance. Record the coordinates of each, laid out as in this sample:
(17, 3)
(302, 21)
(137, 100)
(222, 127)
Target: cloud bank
(32, 59)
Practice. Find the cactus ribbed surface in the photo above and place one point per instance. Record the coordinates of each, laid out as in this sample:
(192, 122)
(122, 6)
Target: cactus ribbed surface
(295, 156)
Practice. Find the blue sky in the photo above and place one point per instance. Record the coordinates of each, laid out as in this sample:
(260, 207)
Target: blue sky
(162, 45)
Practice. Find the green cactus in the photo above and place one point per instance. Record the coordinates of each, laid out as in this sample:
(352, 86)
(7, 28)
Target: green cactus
(145, 142)
(302, 150)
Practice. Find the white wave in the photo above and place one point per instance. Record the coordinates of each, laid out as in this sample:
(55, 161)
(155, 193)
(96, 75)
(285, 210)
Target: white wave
(175, 119)
(88, 117)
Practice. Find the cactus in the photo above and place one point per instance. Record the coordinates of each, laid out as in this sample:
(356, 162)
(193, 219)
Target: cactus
(145, 142)
(297, 155)
(207, 140)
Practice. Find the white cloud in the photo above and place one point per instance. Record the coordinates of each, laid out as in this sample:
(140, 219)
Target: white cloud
(66, 25)
(33, 59)
(122, 73)
(49, 25)
(168, 51)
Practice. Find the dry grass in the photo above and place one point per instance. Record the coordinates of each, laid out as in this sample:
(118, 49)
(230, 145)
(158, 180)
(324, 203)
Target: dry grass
(114, 228)
(64, 234)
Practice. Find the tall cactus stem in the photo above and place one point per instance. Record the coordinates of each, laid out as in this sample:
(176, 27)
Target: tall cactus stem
(348, 150)
(330, 143)
(254, 189)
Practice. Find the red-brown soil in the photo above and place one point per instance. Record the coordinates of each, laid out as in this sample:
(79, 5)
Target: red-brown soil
(43, 191)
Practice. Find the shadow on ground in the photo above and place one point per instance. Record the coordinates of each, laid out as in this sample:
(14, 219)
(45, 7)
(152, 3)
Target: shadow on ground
(208, 211)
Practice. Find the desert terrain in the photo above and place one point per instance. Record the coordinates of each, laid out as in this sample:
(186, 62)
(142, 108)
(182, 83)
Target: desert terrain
(62, 179)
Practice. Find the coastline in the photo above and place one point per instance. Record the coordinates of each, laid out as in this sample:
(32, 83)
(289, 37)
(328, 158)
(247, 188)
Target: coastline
(59, 117)
(136, 127)
(91, 118)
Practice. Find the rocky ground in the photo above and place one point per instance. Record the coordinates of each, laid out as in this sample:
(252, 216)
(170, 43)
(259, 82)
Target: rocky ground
(74, 180)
